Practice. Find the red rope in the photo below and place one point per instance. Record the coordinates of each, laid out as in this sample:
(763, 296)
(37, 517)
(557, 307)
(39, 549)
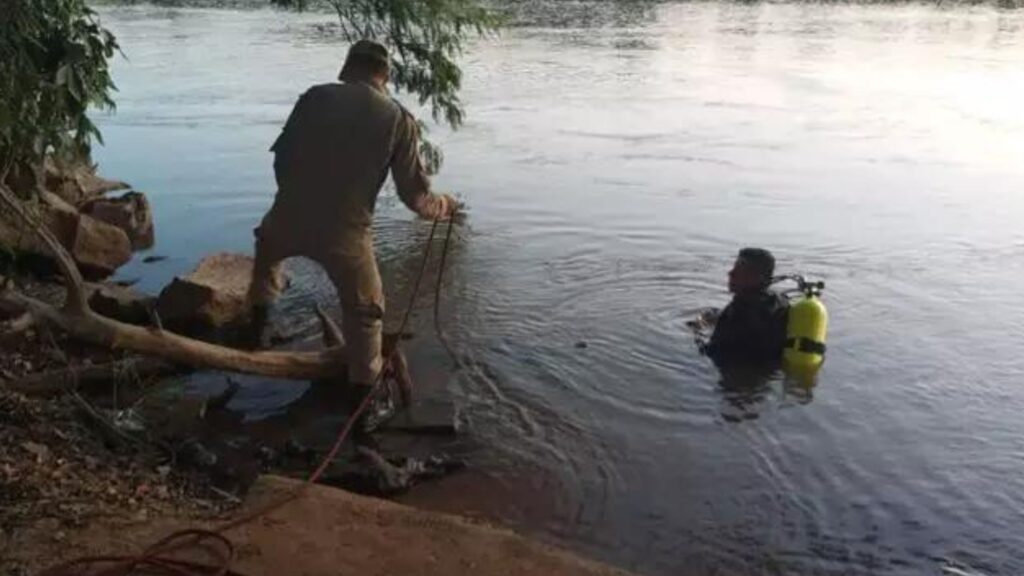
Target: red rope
(154, 560)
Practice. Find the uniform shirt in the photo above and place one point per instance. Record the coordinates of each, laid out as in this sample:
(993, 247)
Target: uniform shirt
(751, 330)
(333, 156)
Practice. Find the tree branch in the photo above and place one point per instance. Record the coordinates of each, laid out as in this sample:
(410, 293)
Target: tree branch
(332, 334)
(87, 326)
(76, 300)
(88, 377)
(16, 325)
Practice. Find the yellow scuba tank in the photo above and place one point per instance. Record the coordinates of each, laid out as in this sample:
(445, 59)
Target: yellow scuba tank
(806, 330)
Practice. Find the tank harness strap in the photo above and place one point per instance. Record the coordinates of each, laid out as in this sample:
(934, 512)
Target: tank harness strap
(806, 345)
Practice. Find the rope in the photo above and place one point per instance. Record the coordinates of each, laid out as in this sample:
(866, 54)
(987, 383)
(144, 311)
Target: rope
(154, 560)
(437, 297)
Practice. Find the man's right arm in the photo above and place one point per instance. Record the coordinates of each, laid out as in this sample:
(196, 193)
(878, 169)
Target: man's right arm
(283, 148)
(411, 177)
(287, 132)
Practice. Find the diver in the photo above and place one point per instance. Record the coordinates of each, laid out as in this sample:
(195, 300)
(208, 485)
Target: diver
(752, 329)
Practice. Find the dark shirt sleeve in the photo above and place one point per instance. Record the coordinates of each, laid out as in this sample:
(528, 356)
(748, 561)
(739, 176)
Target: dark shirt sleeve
(284, 139)
(284, 147)
(409, 174)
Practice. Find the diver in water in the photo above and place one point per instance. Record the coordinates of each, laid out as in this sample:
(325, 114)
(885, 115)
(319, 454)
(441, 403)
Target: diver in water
(751, 330)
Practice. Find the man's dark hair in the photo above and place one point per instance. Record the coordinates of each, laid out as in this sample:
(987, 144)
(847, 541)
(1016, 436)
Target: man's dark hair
(761, 260)
(365, 60)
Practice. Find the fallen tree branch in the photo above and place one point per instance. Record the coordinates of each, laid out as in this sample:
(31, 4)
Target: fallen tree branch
(77, 299)
(83, 378)
(105, 426)
(332, 334)
(17, 325)
(87, 326)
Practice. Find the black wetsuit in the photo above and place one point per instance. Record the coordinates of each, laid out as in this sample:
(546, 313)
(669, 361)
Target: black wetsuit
(750, 331)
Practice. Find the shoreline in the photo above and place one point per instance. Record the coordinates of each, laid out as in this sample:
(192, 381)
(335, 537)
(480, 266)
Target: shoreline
(431, 528)
(329, 531)
(152, 495)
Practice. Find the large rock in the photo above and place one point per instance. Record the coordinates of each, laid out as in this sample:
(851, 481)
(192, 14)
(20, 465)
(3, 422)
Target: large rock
(130, 212)
(97, 247)
(77, 182)
(212, 296)
(121, 303)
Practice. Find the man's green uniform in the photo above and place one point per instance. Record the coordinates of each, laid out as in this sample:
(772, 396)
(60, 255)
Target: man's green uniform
(331, 160)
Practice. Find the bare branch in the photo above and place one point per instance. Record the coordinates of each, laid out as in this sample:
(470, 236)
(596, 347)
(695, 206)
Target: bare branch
(332, 334)
(87, 326)
(86, 377)
(17, 325)
(76, 301)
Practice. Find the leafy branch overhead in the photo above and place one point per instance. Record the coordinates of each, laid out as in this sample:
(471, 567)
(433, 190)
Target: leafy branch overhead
(53, 66)
(425, 38)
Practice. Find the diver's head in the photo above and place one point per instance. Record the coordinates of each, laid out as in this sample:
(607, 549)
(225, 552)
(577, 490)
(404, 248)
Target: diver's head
(752, 271)
(367, 61)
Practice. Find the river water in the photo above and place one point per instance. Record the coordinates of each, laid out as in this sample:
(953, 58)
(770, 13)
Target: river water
(614, 159)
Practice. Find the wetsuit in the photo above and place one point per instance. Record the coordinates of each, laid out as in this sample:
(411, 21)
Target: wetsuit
(750, 331)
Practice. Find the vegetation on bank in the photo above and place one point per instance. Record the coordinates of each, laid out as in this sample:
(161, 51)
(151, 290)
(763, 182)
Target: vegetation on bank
(54, 66)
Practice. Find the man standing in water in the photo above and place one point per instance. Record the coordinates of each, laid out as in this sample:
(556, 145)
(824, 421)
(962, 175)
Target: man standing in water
(331, 160)
(752, 328)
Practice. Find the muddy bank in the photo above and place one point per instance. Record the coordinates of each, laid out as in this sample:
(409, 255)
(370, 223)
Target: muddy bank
(328, 531)
(64, 466)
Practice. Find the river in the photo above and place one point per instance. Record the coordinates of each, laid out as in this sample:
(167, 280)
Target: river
(614, 159)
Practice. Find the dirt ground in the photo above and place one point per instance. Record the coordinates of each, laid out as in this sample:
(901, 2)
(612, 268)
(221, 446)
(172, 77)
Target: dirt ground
(61, 471)
(71, 487)
(329, 532)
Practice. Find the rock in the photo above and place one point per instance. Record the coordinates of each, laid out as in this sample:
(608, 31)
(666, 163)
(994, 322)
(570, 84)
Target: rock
(130, 212)
(293, 449)
(196, 455)
(92, 185)
(212, 296)
(428, 417)
(372, 474)
(97, 247)
(121, 303)
(77, 182)
(267, 457)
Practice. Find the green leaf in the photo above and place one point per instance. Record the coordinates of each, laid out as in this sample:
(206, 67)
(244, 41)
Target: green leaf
(53, 66)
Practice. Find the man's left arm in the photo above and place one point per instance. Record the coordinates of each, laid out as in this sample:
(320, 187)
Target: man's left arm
(410, 176)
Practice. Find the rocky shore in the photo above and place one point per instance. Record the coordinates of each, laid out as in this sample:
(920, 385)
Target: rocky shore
(94, 440)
